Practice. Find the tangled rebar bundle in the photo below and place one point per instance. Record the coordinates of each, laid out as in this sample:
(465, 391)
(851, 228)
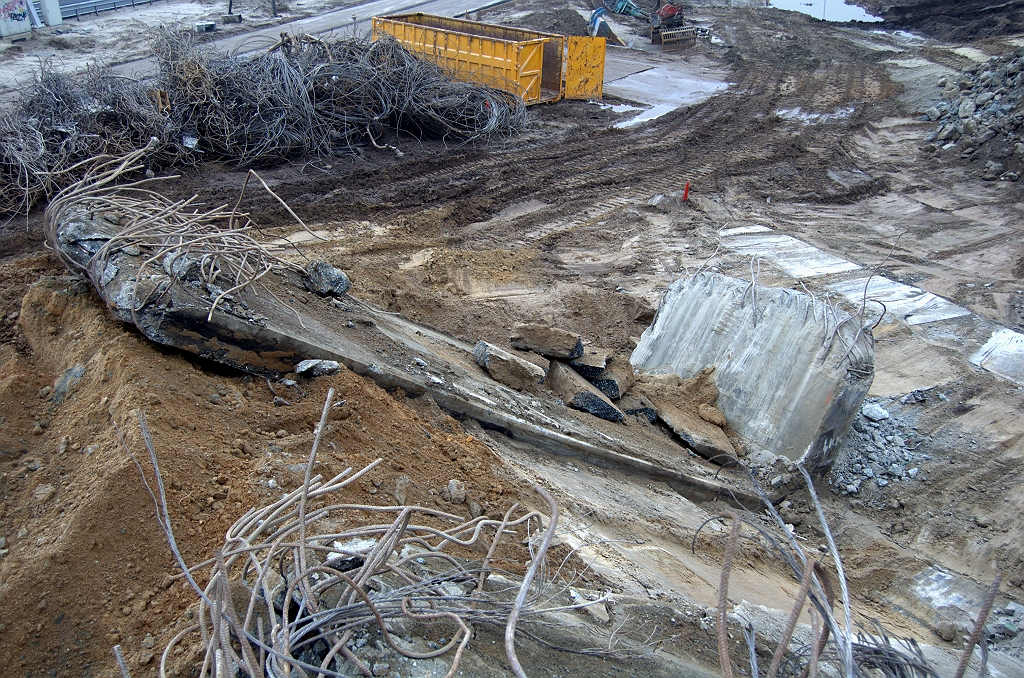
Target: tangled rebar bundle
(302, 97)
(314, 574)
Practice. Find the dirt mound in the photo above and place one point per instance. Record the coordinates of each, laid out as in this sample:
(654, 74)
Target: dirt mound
(87, 564)
(561, 21)
(957, 20)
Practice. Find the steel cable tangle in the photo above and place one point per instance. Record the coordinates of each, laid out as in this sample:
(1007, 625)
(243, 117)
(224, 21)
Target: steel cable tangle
(302, 97)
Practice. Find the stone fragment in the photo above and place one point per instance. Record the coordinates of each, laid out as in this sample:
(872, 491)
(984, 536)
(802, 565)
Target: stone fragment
(933, 113)
(591, 364)
(945, 630)
(326, 280)
(317, 368)
(638, 405)
(967, 108)
(711, 414)
(43, 493)
(599, 612)
(457, 491)
(506, 368)
(982, 520)
(706, 439)
(616, 379)
(992, 170)
(380, 668)
(580, 394)
(875, 412)
(547, 341)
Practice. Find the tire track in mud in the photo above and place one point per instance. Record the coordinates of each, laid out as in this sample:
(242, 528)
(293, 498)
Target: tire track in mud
(733, 138)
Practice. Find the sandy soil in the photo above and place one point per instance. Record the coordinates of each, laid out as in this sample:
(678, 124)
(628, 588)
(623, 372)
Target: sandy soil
(582, 224)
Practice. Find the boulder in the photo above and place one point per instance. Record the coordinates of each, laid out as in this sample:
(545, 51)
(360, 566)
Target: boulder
(506, 368)
(547, 341)
(782, 388)
(580, 394)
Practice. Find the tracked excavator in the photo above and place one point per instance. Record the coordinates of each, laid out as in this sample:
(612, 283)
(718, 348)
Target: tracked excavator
(668, 26)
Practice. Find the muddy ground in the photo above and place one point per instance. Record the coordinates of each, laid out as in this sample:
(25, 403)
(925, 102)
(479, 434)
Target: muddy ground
(574, 222)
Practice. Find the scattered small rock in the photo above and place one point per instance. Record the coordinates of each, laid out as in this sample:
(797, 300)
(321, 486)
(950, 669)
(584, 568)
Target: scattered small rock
(43, 493)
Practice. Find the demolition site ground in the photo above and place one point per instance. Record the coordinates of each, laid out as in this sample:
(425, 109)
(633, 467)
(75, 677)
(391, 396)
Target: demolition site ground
(822, 135)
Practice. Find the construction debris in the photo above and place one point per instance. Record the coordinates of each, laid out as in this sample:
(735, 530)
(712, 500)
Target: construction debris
(639, 406)
(580, 394)
(509, 369)
(317, 368)
(616, 379)
(303, 97)
(326, 280)
(300, 583)
(591, 364)
(117, 234)
(687, 406)
(550, 342)
(792, 370)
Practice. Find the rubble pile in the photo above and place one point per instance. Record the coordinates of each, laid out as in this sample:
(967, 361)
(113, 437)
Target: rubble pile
(981, 116)
(303, 97)
(602, 383)
(879, 450)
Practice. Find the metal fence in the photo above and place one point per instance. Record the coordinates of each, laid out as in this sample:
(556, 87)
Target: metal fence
(76, 10)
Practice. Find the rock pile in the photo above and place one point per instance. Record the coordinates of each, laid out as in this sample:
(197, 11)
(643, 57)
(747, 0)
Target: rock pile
(981, 116)
(878, 450)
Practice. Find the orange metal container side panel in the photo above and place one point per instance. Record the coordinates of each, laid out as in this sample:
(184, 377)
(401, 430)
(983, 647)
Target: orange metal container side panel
(513, 65)
(584, 68)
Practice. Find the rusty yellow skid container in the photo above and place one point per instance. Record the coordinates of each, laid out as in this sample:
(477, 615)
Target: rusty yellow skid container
(528, 63)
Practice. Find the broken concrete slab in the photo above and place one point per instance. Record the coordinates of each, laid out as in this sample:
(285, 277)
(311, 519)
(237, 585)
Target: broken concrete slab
(638, 405)
(591, 364)
(687, 406)
(547, 341)
(705, 438)
(510, 370)
(259, 334)
(580, 394)
(616, 379)
(792, 371)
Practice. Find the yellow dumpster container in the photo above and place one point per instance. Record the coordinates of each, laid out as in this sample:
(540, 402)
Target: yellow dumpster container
(528, 63)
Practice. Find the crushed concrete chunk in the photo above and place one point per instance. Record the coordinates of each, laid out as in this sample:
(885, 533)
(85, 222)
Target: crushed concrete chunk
(591, 364)
(616, 379)
(506, 368)
(326, 280)
(317, 368)
(547, 341)
(580, 394)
